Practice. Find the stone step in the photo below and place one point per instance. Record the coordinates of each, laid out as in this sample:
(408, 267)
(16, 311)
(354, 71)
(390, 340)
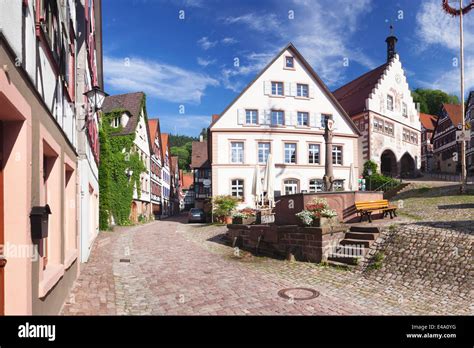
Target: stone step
(342, 265)
(366, 229)
(356, 242)
(348, 260)
(361, 235)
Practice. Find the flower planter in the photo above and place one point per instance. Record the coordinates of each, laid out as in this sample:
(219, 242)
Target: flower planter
(244, 221)
(324, 222)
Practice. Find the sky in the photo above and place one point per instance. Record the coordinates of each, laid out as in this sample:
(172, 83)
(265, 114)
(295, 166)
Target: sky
(182, 53)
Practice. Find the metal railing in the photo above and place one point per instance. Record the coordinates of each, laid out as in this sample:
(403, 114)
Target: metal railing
(389, 185)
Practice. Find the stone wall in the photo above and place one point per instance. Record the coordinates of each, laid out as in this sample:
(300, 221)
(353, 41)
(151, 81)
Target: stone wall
(425, 254)
(310, 244)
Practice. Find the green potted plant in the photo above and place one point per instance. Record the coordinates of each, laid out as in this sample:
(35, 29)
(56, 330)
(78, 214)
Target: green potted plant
(223, 206)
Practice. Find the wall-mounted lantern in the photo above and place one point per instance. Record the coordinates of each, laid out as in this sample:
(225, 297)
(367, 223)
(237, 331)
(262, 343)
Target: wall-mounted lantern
(39, 218)
(96, 97)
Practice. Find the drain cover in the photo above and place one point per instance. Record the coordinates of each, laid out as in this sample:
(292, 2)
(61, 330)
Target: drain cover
(124, 260)
(290, 293)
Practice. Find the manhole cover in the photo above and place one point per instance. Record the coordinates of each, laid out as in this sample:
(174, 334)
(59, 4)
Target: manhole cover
(298, 294)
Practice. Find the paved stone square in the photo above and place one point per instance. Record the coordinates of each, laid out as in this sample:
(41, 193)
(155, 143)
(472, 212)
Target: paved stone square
(173, 268)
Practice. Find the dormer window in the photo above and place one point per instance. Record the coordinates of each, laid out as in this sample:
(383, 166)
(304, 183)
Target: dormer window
(290, 62)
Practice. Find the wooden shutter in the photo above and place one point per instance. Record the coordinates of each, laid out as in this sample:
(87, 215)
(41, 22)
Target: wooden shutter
(313, 119)
(240, 116)
(293, 89)
(267, 87)
(286, 87)
(268, 116)
(317, 120)
(261, 116)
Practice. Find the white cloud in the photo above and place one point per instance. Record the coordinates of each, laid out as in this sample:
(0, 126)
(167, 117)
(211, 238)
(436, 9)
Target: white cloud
(438, 30)
(205, 43)
(260, 22)
(157, 79)
(322, 32)
(229, 41)
(205, 62)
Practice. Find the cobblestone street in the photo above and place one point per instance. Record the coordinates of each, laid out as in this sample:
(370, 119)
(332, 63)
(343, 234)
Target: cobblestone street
(172, 268)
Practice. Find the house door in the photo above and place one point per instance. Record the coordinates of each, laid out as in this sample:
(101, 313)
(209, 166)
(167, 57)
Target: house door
(2, 260)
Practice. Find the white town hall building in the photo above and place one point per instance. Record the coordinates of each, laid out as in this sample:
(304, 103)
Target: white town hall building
(280, 112)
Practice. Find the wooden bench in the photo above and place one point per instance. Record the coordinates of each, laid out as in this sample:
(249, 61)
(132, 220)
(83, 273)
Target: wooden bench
(368, 207)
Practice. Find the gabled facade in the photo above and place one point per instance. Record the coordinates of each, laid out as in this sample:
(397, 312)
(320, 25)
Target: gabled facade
(166, 176)
(444, 139)
(380, 104)
(174, 186)
(156, 189)
(188, 190)
(470, 121)
(281, 112)
(428, 123)
(134, 120)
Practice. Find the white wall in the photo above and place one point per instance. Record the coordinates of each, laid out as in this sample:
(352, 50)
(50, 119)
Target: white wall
(141, 141)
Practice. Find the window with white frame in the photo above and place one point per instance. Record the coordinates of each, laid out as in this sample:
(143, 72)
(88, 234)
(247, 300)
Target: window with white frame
(378, 125)
(263, 152)
(251, 116)
(389, 128)
(277, 88)
(404, 110)
(290, 186)
(303, 119)
(338, 185)
(302, 90)
(278, 118)
(237, 188)
(289, 62)
(313, 153)
(290, 153)
(237, 152)
(389, 102)
(316, 185)
(324, 119)
(337, 154)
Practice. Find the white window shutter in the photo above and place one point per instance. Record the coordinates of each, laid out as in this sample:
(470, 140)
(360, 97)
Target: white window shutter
(311, 91)
(268, 116)
(313, 119)
(267, 87)
(240, 116)
(261, 116)
(318, 121)
(293, 89)
(286, 86)
(336, 123)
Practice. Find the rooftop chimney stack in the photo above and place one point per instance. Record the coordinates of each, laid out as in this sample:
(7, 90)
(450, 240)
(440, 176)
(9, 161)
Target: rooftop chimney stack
(391, 42)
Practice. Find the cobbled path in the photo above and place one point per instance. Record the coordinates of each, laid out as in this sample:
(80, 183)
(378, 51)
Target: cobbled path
(181, 269)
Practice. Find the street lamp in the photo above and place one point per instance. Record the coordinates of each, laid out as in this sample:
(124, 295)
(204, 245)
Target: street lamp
(96, 97)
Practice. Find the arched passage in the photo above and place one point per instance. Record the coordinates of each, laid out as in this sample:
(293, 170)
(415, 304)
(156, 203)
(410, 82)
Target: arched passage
(407, 166)
(134, 213)
(388, 163)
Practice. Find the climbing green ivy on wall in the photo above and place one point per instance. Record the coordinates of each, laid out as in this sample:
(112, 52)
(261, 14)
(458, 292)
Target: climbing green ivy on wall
(117, 158)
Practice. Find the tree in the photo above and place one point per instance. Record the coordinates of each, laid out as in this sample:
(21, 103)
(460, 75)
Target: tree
(184, 156)
(431, 99)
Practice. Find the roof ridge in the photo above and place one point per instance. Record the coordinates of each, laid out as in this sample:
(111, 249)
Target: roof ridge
(359, 78)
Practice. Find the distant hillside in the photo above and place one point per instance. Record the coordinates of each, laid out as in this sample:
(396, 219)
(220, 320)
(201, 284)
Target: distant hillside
(181, 140)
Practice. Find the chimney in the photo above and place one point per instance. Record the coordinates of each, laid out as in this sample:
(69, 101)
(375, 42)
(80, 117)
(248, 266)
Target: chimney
(201, 138)
(391, 42)
(215, 117)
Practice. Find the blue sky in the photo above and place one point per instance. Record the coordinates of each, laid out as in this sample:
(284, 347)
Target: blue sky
(186, 66)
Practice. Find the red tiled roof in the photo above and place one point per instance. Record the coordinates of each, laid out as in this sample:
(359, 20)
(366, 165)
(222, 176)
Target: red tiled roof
(428, 121)
(352, 96)
(199, 157)
(188, 180)
(454, 112)
(130, 102)
(152, 127)
(164, 144)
